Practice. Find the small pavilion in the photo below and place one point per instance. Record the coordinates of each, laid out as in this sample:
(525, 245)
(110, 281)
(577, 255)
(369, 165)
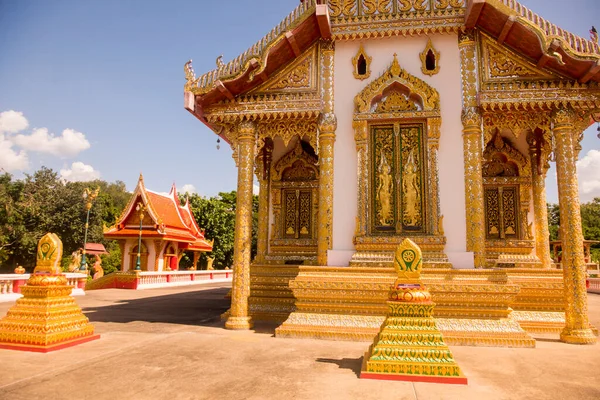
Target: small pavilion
(164, 227)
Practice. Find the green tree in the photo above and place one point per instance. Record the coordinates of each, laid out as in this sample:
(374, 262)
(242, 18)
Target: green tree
(553, 220)
(590, 221)
(11, 226)
(42, 203)
(216, 215)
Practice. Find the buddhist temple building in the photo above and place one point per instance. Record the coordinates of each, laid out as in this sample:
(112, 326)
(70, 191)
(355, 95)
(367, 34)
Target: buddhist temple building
(367, 122)
(166, 228)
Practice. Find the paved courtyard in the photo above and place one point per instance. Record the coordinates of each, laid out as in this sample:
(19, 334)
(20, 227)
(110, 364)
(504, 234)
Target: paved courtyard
(170, 344)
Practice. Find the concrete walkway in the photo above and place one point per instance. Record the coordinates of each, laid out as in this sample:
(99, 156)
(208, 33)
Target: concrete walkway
(170, 344)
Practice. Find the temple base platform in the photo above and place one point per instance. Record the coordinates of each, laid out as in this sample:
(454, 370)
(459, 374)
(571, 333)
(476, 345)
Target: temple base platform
(349, 303)
(474, 307)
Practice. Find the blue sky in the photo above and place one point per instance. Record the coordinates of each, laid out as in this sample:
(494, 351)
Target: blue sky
(111, 74)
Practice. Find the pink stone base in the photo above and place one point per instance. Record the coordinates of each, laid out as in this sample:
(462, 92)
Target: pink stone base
(49, 348)
(460, 380)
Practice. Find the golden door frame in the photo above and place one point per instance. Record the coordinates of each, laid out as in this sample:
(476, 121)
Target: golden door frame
(506, 167)
(296, 171)
(398, 98)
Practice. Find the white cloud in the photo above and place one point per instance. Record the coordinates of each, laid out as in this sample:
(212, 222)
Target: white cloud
(255, 190)
(69, 144)
(79, 172)
(10, 159)
(12, 121)
(588, 171)
(189, 188)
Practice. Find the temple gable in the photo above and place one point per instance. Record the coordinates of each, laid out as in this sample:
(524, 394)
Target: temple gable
(299, 76)
(502, 64)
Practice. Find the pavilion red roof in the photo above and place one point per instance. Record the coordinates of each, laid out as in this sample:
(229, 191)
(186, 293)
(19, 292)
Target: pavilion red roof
(165, 219)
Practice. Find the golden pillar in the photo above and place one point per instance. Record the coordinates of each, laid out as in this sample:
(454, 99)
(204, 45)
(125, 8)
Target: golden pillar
(472, 149)
(433, 145)
(238, 313)
(540, 209)
(362, 153)
(577, 329)
(327, 127)
(262, 173)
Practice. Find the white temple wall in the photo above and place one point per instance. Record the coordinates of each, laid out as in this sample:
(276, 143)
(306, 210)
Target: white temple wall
(451, 168)
(161, 261)
(126, 258)
(131, 244)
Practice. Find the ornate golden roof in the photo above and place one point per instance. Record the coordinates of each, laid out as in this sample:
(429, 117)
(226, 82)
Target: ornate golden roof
(506, 21)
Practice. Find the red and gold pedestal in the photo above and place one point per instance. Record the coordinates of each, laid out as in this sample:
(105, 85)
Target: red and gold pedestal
(46, 318)
(409, 346)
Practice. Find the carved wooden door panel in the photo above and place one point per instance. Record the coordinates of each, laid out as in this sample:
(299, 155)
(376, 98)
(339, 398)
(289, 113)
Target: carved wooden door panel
(398, 172)
(297, 221)
(501, 212)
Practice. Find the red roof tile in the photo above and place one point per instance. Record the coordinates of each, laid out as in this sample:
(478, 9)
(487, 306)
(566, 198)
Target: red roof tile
(171, 220)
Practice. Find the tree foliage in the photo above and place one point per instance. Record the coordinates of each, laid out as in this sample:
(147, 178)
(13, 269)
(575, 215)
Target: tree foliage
(42, 203)
(217, 216)
(590, 222)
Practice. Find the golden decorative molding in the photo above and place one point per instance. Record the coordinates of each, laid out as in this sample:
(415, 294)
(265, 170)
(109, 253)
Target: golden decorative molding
(425, 57)
(501, 64)
(287, 130)
(395, 102)
(493, 167)
(288, 159)
(266, 107)
(255, 57)
(344, 9)
(532, 95)
(190, 77)
(518, 122)
(300, 76)
(353, 19)
(428, 97)
(355, 63)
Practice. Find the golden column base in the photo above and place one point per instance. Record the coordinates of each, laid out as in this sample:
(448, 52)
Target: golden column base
(578, 336)
(46, 318)
(239, 323)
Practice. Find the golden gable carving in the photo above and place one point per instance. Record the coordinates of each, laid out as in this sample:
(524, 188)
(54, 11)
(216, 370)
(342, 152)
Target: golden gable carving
(500, 63)
(300, 75)
(396, 101)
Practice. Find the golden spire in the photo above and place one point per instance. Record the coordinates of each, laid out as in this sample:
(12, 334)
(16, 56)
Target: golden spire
(395, 68)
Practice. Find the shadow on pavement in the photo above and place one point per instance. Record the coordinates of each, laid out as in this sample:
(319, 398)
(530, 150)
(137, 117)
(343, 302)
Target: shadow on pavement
(353, 364)
(266, 327)
(202, 308)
